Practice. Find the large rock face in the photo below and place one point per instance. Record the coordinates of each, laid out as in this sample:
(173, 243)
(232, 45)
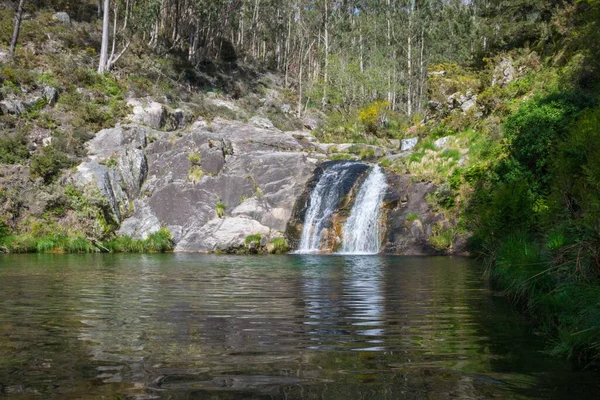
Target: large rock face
(214, 184)
(153, 179)
(410, 221)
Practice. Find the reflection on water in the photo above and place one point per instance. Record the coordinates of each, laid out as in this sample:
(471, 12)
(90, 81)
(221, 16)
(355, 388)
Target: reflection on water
(192, 326)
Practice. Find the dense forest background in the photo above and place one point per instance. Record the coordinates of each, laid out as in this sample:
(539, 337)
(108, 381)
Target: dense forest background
(522, 180)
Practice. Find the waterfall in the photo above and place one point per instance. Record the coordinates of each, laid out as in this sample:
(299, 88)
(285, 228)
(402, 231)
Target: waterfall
(323, 202)
(361, 230)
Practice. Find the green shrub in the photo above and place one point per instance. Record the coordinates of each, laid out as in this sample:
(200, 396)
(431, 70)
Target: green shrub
(385, 163)
(159, 241)
(280, 246)
(195, 175)
(194, 158)
(373, 115)
(13, 148)
(253, 240)
(366, 153)
(341, 156)
(428, 145)
(450, 153)
(442, 239)
(416, 157)
(220, 209)
(445, 196)
(412, 217)
(535, 128)
(555, 241)
(48, 163)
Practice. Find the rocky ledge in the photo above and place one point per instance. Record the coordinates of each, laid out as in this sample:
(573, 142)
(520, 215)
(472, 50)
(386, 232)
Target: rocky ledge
(215, 184)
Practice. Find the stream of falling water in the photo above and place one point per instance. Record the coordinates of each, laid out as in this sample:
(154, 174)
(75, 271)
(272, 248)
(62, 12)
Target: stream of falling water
(361, 230)
(324, 200)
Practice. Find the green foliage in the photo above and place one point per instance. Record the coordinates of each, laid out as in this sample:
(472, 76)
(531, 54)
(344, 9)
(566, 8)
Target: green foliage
(412, 217)
(341, 156)
(555, 241)
(445, 196)
(194, 158)
(253, 240)
(416, 156)
(48, 163)
(280, 246)
(220, 209)
(195, 175)
(442, 239)
(366, 153)
(157, 242)
(57, 242)
(385, 163)
(428, 145)
(576, 172)
(534, 130)
(13, 148)
(373, 115)
(450, 153)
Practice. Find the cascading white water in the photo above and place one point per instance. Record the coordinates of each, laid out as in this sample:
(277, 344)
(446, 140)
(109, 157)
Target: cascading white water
(361, 230)
(323, 202)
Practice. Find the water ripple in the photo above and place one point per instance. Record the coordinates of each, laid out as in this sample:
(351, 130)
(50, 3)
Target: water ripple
(185, 326)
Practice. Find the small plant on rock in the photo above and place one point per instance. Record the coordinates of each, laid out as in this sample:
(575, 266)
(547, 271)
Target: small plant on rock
(253, 241)
(194, 158)
(195, 175)
(412, 217)
(280, 246)
(220, 209)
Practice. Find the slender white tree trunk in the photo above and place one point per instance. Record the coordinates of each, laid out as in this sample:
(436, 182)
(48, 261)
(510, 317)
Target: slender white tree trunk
(326, 67)
(105, 32)
(409, 72)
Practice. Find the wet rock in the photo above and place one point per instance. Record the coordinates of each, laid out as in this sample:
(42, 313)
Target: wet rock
(296, 220)
(62, 17)
(403, 199)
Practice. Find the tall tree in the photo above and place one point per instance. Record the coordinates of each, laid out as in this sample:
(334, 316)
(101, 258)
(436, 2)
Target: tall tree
(103, 64)
(17, 28)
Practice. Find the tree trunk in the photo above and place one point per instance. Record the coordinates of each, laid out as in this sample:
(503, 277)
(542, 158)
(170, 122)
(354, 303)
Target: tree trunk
(104, 48)
(326, 68)
(409, 72)
(422, 70)
(15, 36)
(255, 46)
(287, 49)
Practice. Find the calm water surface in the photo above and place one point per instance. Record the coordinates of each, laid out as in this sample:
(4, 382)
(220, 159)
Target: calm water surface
(276, 327)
